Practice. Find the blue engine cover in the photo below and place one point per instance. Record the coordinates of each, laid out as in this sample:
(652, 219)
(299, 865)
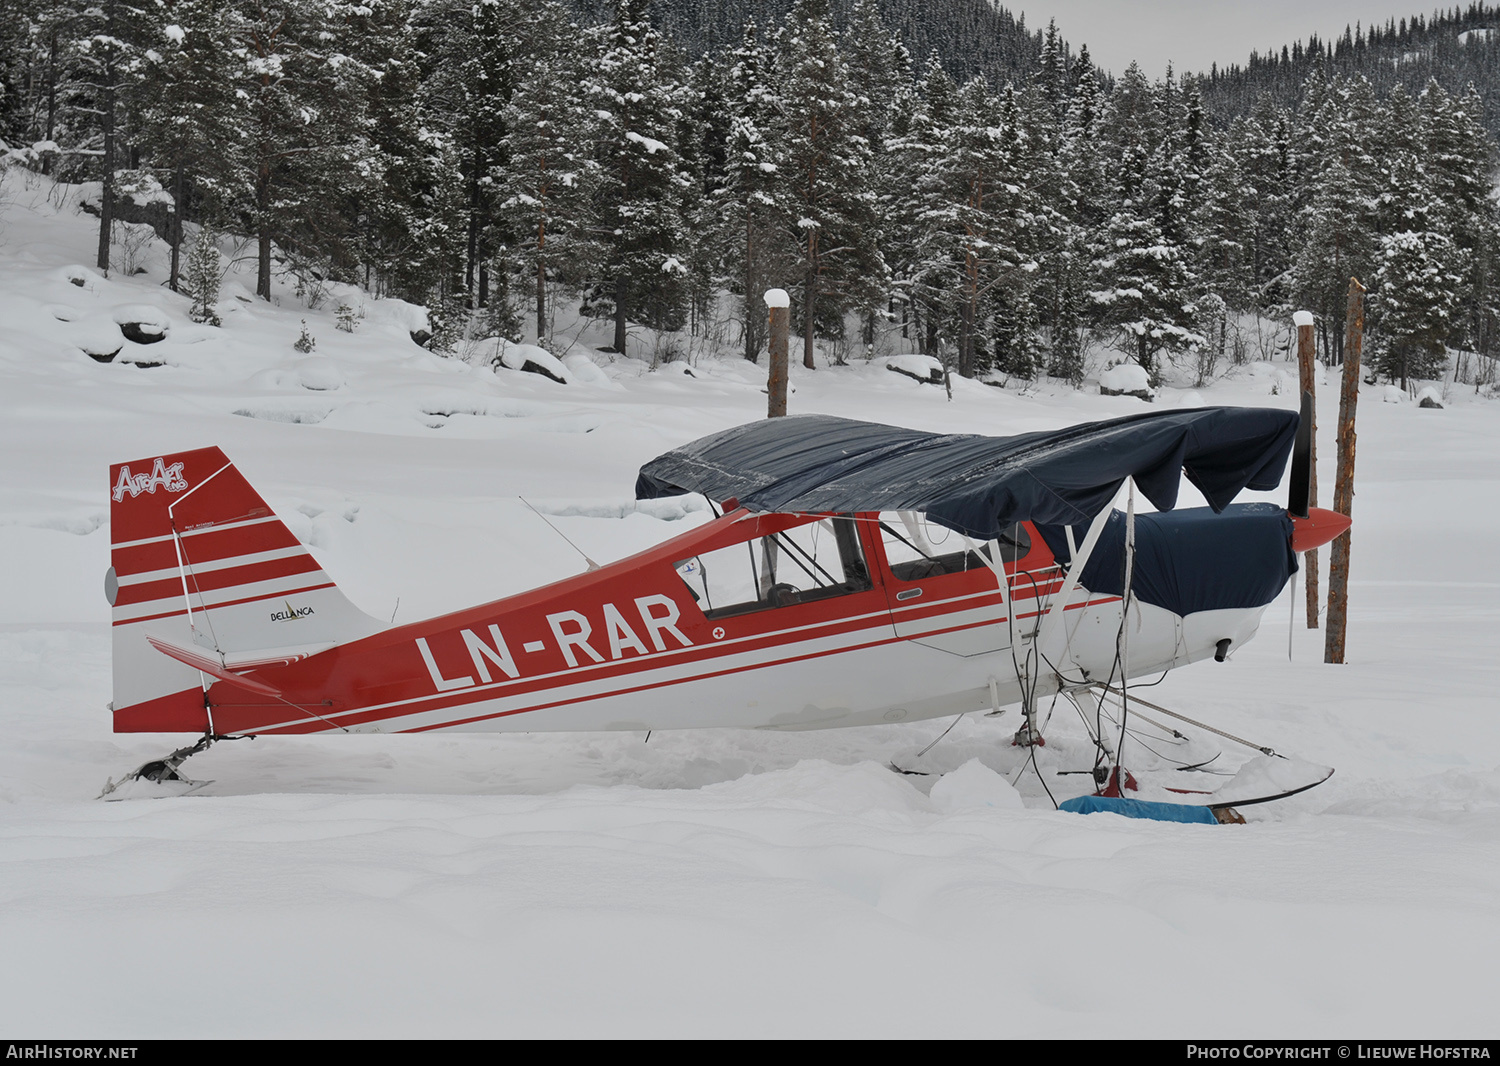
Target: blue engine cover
(1191, 560)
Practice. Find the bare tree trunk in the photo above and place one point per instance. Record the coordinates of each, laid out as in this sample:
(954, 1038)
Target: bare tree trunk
(541, 301)
(51, 99)
(622, 285)
(263, 232)
(179, 195)
(1306, 353)
(966, 316)
(752, 339)
(1343, 489)
(472, 247)
(107, 198)
(776, 386)
(809, 309)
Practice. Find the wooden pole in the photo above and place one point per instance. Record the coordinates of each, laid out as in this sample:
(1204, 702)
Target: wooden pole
(779, 304)
(1306, 353)
(1343, 486)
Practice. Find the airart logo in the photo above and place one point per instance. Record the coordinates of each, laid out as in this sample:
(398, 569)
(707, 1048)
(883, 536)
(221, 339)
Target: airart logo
(291, 614)
(161, 475)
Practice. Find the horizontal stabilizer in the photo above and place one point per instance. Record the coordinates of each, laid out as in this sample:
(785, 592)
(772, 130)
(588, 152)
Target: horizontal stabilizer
(209, 663)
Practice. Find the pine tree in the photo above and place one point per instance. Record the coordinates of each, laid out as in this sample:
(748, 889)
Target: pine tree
(831, 209)
(1417, 303)
(642, 184)
(204, 273)
(107, 43)
(184, 108)
(752, 230)
(546, 185)
(301, 124)
(880, 70)
(393, 214)
(928, 269)
(703, 145)
(1340, 243)
(1263, 153)
(1144, 298)
(1459, 159)
(1083, 197)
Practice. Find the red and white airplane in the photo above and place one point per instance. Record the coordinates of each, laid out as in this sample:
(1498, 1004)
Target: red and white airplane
(859, 574)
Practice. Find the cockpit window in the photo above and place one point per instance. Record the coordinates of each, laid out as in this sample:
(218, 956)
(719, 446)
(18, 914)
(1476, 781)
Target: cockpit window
(799, 565)
(917, 549)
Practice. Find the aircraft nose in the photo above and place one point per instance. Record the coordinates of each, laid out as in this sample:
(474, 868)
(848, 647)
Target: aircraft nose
(1317, 529)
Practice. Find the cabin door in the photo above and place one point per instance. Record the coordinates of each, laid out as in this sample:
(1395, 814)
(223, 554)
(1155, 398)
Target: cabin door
(941, 590)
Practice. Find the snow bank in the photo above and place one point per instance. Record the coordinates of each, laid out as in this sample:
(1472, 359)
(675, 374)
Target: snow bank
(586, 371)
(319, 374)
(974, 785)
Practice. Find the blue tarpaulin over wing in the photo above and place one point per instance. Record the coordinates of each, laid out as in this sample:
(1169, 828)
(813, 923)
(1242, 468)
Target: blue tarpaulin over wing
(1191, 560)
(978, 485)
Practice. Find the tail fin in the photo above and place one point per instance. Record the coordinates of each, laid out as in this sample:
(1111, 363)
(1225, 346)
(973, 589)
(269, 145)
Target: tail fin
(206, 580)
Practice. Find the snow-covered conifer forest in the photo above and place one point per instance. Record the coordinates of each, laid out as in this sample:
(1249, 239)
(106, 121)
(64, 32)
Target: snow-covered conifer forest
(439, 277)
(495, 161)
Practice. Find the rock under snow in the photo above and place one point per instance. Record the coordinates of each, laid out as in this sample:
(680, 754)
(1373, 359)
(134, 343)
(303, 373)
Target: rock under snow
(532, 360)
(1430, 397)
(923, 368)
(409, 317)
(1126, 379)
(96, 336)
(81, 276)
(142, 323)
(1394, 394)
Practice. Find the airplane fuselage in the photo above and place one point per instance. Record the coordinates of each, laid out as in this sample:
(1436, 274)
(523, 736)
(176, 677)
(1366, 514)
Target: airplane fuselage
(638, 645)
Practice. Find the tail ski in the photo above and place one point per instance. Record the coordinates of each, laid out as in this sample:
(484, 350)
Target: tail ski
(207, 583)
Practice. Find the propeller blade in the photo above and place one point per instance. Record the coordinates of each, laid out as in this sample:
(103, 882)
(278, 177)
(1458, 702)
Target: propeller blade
(1299, 494)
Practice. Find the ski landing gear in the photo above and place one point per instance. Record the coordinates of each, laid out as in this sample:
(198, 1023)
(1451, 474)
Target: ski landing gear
(159, 778)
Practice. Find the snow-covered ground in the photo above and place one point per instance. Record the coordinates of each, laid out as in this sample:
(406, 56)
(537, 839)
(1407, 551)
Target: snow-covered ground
(704, 883)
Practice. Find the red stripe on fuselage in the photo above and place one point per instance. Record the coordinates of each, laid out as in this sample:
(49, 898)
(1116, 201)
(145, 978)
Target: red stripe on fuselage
(622, 668)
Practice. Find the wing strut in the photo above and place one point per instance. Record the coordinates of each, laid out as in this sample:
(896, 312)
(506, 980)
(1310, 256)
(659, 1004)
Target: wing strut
(1047, 639)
